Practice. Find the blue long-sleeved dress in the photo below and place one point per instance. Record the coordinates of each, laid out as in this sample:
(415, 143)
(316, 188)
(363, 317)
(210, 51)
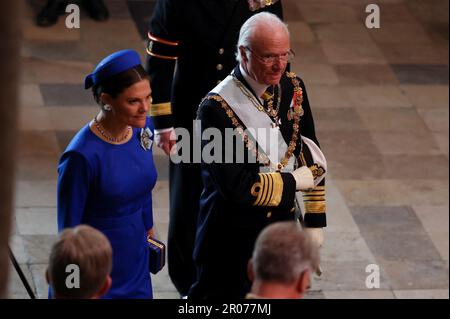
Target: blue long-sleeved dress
(109, 187)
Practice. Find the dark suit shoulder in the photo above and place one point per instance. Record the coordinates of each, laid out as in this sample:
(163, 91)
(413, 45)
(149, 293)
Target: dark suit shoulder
(211, 103)
(166, 19)
(215, 112)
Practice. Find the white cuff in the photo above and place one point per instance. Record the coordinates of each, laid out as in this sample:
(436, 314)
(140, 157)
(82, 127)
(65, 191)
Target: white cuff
(163, 130)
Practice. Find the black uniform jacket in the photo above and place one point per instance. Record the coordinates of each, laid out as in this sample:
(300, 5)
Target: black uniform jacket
(236, 195)
(200, 37)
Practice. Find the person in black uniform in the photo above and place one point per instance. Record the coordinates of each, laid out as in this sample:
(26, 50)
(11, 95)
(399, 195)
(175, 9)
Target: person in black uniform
(242, 197)
(200, 38)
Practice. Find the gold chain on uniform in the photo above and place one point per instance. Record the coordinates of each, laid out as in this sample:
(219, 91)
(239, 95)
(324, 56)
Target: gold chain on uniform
(267, 97)
(298, 111)
(271, 111)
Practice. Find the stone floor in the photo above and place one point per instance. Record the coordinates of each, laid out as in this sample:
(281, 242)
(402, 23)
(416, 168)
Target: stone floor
(380, 98)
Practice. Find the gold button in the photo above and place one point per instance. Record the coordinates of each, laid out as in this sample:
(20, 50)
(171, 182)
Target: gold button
(221, 51)
(269, 214)
(219, 67)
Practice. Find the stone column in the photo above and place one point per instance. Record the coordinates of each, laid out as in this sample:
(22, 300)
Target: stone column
(9, 82)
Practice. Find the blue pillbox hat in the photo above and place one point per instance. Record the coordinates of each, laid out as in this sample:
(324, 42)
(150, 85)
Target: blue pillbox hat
(113, 64)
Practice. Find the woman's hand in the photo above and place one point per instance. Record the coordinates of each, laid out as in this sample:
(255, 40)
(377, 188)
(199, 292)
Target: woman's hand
(151, 233)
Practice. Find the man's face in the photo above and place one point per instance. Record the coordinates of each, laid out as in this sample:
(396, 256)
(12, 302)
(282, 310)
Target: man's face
(265, 44)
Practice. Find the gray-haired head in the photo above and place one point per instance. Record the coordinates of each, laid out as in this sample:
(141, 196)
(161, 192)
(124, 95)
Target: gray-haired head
(258, 22)
(282, 253)
(90, 251)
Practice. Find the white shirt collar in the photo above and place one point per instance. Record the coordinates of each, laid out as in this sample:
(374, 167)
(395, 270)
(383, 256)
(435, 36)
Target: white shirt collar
(258, 88)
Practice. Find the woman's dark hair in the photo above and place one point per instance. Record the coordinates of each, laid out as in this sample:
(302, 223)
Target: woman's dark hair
(116, 84)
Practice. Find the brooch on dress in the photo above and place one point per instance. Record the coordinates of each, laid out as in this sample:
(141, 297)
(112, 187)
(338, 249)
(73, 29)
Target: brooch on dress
(146, 141)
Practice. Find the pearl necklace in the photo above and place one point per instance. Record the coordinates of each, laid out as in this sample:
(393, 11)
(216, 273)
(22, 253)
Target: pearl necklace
(103, 132)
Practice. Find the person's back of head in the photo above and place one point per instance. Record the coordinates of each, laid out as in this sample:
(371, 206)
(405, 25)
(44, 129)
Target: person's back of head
(80, 264)
(282, 259)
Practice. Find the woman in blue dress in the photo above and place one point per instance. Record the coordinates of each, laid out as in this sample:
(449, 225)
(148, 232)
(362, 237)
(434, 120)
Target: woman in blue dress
(106, 174)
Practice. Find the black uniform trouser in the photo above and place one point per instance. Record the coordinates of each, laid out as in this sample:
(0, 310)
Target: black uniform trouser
(222, 270)
(185, 189)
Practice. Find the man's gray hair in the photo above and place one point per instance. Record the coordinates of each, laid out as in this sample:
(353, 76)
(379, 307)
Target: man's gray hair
(251, 25)
(282, 252)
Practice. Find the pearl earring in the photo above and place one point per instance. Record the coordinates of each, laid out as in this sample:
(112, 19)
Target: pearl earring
(107, 107)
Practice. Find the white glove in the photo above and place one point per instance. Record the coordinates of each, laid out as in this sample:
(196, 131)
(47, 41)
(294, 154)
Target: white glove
(303, 178)
(316, 235)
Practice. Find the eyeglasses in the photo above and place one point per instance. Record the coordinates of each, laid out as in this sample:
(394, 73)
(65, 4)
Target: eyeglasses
(270, 59)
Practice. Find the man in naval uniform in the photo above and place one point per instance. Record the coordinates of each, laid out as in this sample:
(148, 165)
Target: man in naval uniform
(200, 38)
(242, 197)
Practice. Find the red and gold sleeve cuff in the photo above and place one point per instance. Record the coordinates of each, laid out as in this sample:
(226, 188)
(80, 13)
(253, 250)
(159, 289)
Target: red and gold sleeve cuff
(162, 48)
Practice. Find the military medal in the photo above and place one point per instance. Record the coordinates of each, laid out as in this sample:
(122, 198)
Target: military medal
(146, 141)
(297, 100)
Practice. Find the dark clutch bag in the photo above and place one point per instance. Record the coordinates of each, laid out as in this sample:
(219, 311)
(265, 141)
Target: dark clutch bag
(157, 255)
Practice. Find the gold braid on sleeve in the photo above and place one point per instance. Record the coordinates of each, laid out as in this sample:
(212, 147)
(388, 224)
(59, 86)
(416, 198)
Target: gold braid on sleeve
(268, 191)
(314, 200)
(160, 109)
